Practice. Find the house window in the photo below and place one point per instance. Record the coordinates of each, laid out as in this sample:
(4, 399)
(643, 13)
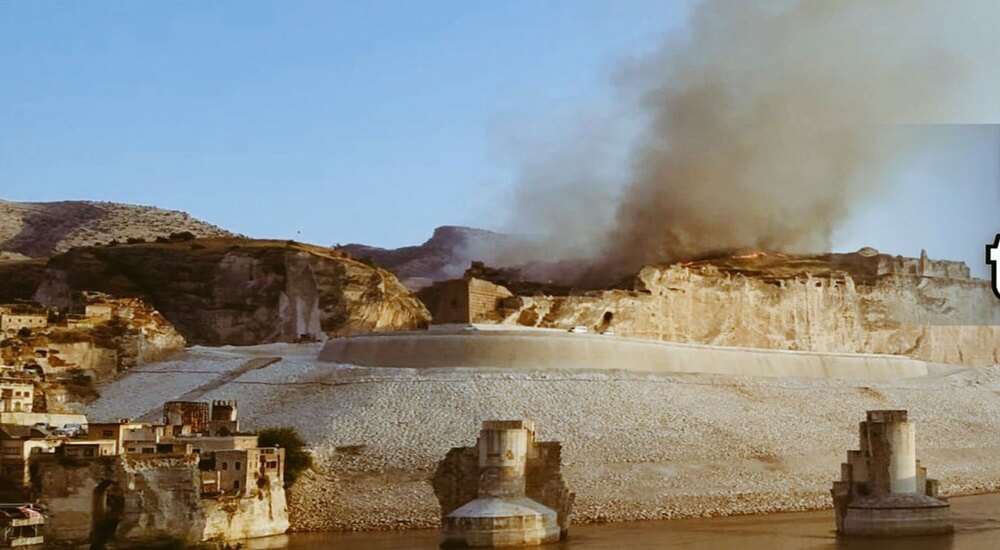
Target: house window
(88, 452)
(236, 484)
(237, 465)
(225, 465)
(108, 433)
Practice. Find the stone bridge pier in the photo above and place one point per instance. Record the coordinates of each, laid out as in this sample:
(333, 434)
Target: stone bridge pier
(883, 490)
(505, 491)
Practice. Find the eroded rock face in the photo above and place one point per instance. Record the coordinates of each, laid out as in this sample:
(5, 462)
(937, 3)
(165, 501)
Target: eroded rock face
(235, 291)
(131, 333)
(145, 502)
(940, 319)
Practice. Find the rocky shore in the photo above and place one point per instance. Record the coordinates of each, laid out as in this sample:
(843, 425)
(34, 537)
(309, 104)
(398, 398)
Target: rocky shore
(634, 446)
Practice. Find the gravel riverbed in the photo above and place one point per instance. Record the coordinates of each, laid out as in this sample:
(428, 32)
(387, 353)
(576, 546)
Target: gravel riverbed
(634, 446)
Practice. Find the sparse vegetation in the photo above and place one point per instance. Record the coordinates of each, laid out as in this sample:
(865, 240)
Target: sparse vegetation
(182, 236)
(352, 450)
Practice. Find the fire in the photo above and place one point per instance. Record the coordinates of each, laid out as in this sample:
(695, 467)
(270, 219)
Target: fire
(752, 255)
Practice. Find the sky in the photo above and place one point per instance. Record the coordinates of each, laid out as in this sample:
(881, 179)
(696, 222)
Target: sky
(334, 122)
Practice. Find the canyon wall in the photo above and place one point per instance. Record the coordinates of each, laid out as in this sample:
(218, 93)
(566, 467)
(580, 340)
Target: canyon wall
(938, 319)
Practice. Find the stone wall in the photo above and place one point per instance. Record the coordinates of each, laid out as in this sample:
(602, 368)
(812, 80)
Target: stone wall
(547, 350)
(484, 298)
(142, 500)
(922, 267)
(468, 300)
(447, 301)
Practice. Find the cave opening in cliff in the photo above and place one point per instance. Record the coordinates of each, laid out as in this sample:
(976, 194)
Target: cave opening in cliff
(107, 507)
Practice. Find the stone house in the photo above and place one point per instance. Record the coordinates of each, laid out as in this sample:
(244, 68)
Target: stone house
(130, 437)
(16, 395)
(464, 301)
(18, 445)
(11, 321)
(99, 312)
(89, 448)
(242, 472)
(206, 485)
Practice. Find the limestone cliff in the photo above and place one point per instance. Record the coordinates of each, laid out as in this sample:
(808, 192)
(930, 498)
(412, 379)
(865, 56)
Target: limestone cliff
(147, 502)
(238, 291)
(850, 303)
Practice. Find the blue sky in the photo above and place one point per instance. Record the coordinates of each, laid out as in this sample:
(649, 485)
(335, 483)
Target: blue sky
(345, 121)
(367, 122)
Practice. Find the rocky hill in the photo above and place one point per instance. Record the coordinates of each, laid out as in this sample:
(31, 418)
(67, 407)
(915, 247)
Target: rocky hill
(228, 290)
(40, 229)
(446, 255)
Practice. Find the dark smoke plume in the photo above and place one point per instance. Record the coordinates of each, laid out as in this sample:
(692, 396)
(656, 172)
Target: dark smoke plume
(764, 127)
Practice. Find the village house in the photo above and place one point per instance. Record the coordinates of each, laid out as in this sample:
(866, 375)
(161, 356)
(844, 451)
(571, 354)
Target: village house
(238, 486)
(88, 448)
(464, 301)
(16, 395)
(16, 317)
(239, 472)
(99, 312)
(18, 444)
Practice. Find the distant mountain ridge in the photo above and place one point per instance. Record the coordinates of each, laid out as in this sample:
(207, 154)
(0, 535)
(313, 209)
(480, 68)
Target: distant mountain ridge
(447, 254)
(42, 229)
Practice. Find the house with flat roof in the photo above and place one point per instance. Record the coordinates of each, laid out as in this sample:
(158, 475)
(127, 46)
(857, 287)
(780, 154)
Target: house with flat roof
(16, 395)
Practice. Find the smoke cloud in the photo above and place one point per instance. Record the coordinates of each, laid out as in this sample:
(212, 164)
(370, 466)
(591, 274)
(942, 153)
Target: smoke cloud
(762, 129)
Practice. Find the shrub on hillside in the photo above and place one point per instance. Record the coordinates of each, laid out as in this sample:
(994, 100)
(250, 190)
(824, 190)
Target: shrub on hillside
(182, 236)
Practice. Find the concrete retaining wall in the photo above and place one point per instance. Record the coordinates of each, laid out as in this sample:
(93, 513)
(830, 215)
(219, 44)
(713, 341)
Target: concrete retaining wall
(556, 350)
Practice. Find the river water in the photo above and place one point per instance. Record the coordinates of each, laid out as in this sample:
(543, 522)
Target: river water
(977, 527)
